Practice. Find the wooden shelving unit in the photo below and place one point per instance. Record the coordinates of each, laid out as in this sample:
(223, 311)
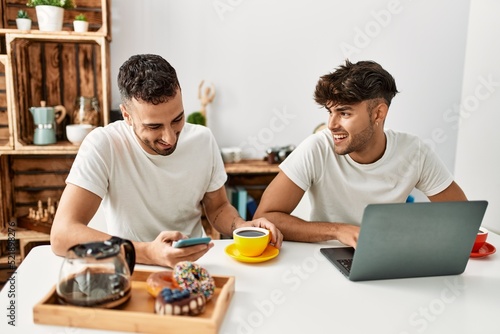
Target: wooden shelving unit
(6, 122)
(253, 175)
(56, 67)
(97, 12)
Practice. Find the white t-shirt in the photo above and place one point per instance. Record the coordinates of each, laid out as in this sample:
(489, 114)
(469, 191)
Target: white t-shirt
(340, 188)
(144, 194)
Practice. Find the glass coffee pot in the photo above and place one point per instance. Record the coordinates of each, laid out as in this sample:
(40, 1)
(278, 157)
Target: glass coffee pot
(97, 274)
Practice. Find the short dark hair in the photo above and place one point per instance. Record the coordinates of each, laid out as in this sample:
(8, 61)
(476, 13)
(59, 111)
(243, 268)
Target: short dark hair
(354, 83)
(149, 78)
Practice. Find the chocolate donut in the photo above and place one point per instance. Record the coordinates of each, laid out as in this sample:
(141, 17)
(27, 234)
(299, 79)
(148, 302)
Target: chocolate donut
(179, 302)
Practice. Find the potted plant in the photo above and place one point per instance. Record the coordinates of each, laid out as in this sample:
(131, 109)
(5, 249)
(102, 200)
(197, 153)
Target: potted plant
(23, 20)
(50, 13)
(80, 23)
(197, 118)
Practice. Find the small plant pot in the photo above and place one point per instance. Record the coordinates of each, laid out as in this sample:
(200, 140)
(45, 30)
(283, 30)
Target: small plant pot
(81, 26)
(23, 24)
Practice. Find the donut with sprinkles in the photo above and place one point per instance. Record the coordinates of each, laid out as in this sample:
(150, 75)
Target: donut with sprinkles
(194, 278)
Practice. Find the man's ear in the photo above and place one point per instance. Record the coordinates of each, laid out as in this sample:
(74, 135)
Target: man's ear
(380, 113)
(126, 116)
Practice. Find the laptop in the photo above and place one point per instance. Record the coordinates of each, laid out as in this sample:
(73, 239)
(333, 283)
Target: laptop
(402, 240)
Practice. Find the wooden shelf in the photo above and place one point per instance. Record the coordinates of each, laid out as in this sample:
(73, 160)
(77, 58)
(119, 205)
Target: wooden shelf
(25, 239)
(6, 123)
(27, 179)
(53, 34)
(97, 12)
(57, 69)
(251, 167)
(254, 175)
(23, 234)
(61, 147)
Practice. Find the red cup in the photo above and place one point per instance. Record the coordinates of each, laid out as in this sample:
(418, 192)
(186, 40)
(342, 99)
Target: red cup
(482, 234)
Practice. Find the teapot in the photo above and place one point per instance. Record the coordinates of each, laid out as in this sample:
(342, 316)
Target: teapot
(97, 274)
(46, 122)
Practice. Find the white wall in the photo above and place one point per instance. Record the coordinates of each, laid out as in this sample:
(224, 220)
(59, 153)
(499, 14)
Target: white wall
(478, 154)
(265, 58)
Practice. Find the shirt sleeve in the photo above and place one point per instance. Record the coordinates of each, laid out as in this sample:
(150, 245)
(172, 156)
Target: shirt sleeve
(434, 176)
(219, 176)
(304, 166)
(90, 170)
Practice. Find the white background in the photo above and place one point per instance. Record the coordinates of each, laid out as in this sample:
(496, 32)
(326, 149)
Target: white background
(265, 57)
(478, 152)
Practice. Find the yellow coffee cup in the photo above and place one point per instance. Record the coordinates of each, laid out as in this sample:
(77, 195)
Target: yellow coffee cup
(251, 241)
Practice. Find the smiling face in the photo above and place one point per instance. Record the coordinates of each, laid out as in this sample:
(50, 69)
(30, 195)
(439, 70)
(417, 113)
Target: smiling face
(357, 130)
(157, 127)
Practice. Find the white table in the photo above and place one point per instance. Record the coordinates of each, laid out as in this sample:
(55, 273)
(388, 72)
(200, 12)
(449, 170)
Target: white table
(300, 292)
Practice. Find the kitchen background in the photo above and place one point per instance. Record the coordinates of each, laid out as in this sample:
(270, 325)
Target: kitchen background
(265, 57)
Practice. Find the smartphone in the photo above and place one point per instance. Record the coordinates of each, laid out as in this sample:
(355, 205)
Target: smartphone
(191, 242)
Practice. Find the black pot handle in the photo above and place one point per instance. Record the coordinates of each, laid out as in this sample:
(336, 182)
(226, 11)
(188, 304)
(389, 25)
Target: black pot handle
(129, 251)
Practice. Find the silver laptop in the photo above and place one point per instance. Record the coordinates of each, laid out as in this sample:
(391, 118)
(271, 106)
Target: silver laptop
(401, 240)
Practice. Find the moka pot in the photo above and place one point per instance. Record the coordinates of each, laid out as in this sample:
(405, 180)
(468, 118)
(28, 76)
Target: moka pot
(45, 123)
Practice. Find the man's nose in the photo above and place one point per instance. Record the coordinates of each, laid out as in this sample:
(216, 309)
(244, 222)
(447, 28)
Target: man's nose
(168, 135)
(333, 121)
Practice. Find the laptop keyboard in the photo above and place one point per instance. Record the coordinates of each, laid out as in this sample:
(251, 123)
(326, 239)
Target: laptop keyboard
(346, 263)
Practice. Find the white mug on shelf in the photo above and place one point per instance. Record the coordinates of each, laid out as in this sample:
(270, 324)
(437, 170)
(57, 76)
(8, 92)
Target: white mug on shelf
(231, 154)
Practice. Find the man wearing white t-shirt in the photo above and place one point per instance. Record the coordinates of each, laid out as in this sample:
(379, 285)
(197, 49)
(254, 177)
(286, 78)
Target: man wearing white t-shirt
(152, 173)
(352, 163)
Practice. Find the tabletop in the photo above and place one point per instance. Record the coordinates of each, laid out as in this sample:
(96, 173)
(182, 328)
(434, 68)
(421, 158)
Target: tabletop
(299, 291)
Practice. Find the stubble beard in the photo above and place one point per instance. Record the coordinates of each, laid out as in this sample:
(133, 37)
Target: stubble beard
(155, 149)
(357, 142)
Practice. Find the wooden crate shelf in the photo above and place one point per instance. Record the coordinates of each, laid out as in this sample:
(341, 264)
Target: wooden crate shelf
(6, 131)
(6, 193)
(26, 179)
(253, 175)
(24, 241)
(96, 11)
(56, 69)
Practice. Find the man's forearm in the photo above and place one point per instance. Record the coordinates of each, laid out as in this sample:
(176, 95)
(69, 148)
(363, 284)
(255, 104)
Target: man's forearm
(296, 229)
(65, 236)
(226, 219)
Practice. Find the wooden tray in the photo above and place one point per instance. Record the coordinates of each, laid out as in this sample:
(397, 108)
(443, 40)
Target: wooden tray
(137, 314)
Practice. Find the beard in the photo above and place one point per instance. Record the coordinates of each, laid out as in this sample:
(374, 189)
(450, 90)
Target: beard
(155, 146)
(163, 152)
(356, 142)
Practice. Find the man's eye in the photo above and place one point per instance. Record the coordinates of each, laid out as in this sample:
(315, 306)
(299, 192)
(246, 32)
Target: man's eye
(154, 127)
(177, 120)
